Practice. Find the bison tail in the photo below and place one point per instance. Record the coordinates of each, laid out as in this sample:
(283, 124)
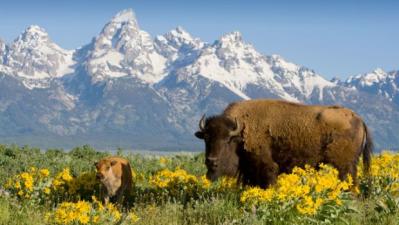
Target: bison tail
(367, 151)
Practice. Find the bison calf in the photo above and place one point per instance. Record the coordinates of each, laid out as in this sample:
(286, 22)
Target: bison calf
(115, 175)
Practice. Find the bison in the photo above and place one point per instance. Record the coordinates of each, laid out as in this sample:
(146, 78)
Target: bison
(255, 140)
(115, 176)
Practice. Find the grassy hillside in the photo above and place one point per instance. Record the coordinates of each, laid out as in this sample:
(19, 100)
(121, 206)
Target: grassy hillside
(56, 187)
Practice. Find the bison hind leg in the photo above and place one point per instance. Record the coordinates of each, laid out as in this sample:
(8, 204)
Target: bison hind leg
(342, 154)
(352, 171)
(258, 170)
(344, 170)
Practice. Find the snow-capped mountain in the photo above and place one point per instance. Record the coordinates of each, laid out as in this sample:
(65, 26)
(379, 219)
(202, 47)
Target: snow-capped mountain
(122, 49)
(179, 47)
(249, 74)
(126, 89)
(34, 56)
(378, 82)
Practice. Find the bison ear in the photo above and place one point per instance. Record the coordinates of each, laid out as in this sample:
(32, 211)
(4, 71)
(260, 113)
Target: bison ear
(113, 162)
(199, 134)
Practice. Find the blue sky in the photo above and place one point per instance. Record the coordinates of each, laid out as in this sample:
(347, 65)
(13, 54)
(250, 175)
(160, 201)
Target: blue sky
(335, 38)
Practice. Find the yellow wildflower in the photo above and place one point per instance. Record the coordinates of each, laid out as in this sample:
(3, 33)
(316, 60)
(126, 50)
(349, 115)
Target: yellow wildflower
(205, 182)
(307, 189)
(133, 218)
(163, 161)
(17, 185)
(84, 219)
(44, 172)
(46, 190)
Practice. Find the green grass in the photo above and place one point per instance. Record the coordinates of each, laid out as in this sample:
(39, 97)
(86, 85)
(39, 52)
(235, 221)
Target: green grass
(222, 208)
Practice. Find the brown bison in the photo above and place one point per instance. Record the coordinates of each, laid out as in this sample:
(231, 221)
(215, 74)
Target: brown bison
(115, 176)
(256, 140)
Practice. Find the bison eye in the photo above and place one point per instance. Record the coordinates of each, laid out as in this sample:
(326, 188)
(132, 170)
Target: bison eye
(236, 139)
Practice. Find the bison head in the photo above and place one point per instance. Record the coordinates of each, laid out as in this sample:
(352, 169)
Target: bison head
(104, 169)
(223, 140)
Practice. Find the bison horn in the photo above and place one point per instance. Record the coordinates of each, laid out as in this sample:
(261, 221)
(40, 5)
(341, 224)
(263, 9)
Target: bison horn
(202, 123)
(237, 130)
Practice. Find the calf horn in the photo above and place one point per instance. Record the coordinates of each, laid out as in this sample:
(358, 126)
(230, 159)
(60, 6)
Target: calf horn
(237, 129)
(202, 123)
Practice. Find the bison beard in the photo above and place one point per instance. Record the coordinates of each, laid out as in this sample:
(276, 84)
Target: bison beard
(256, 140)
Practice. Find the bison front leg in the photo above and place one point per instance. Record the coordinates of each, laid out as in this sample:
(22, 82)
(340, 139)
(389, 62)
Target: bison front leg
(104, 195)
(268, 174)
(105, 199)
(119, 198)
(263, 171)
(258, 169)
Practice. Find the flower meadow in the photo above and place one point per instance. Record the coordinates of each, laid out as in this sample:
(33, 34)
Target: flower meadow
(57, 187)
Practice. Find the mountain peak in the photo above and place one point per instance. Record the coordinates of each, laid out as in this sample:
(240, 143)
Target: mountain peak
(33, 32)
(379, 71)
(34, 56)
(126, 15)
(234, 36)
(35, 29)
(180, 29)
(181, 33)
(122, 28)
(179, 37)
(368, 79)
(122, 49)
(374, 76)
(178, 45)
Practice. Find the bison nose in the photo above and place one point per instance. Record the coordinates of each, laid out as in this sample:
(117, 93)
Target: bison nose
(211, 162)
(98, 176)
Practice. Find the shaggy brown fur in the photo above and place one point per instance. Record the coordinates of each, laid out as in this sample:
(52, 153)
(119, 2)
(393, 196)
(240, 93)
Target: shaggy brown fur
(277, 135)
(115, 175)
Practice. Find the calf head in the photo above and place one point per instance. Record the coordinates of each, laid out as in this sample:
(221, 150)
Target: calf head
(104, 169)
